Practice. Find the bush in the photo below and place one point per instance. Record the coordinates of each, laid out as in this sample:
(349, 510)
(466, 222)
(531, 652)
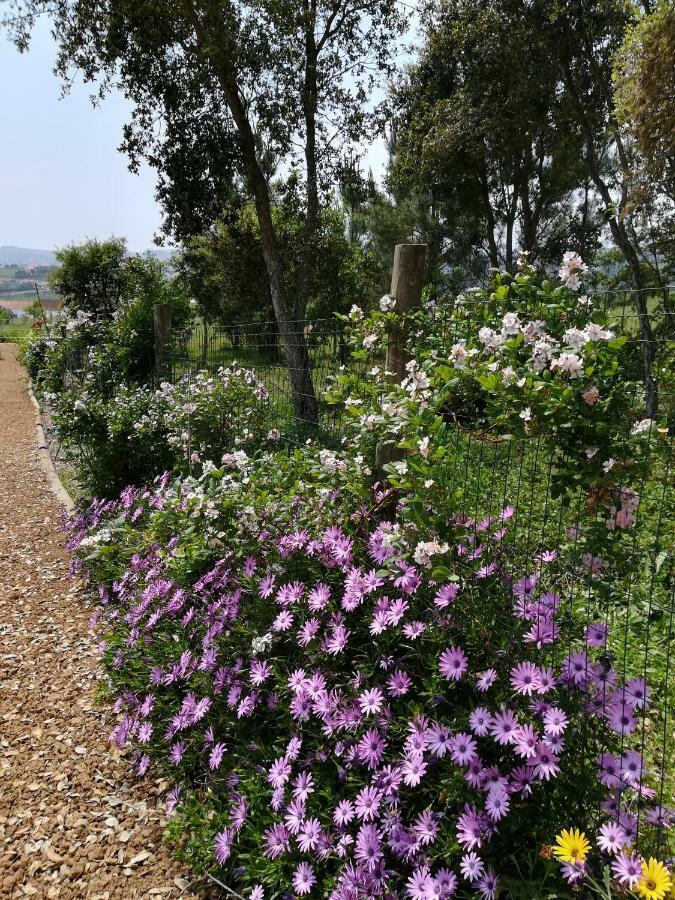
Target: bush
(404, 688)
(125, 435)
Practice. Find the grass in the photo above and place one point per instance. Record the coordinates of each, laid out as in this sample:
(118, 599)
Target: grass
(16, 331)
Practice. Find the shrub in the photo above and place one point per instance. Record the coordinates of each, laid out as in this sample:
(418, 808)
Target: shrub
(126, 435)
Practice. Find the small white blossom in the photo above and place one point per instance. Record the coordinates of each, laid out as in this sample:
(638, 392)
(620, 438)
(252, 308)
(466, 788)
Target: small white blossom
(572, 270)
(387, 303)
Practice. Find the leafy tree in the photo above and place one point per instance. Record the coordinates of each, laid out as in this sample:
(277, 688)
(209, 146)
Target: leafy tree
(253, 79)
(644, 95)
(92, 276)
(6, 317)
(223, 268)
(485, 134)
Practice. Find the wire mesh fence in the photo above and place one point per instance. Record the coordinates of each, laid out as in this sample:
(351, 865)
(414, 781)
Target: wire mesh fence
(632, 592)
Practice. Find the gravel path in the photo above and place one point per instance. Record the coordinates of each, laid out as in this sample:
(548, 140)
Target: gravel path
(73, 822)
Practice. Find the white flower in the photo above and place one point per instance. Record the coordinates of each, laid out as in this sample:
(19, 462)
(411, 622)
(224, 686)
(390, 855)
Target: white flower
(573, 267)
(642, 426)
(534, 331)
(608, 465)
(575, 338)
(510, 325)
(369, 341)
(356, 313)
(429, 482)
(423, 446)
(387, 303)
(526, 414)
(401, 467)
(590, 452)
(568, 364)
(426, 549)
(595, 332)
(458, 355)
(541, 355)
(509, 375)
(489, 338)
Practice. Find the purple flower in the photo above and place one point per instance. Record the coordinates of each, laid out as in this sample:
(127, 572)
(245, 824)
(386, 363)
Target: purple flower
(555, 721)
(258, 893)
(463, 749)
(470, 827)
(446, 595)
(420, 885)
(472, 866)
(609, 770)
(453, 663)
(611, 838)
(445, 883)
(303, 786)
(485, 680)
(223, 845)
(413, 769)
(544, 762)
(635, 692)
(279, 772)
(525, 678)
(367, 803)
(304, 878)
(398, 684)
(497, 804)
(526, 741)
(627, 869)
(439, 739)
(344, 813)
(309, 834)
(368, 846)
(596, 634)
(426, 827)
(216, 756)
(621, 719)
(370, 701)
(504, 727)
(371, 748)
(480, 721)
(487, 885)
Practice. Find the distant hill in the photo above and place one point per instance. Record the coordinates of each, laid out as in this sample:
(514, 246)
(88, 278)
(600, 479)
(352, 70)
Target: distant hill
(24, 256)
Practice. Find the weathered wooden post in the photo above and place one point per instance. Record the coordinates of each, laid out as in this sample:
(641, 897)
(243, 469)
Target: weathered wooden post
(407, 281)
(162, 323)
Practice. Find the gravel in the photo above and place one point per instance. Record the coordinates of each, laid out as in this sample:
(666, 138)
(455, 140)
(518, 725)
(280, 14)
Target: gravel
(73, 820)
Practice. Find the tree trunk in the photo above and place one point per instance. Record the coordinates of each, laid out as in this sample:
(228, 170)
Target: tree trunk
(217, 48)
(630, 254)
(309, 102)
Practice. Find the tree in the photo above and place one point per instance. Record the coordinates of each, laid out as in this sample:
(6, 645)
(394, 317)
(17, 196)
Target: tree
(484, 132)
(92, 276)
(274, 74)
(643, 91)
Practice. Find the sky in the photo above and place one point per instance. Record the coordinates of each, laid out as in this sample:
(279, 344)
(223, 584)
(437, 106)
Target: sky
(62, 180)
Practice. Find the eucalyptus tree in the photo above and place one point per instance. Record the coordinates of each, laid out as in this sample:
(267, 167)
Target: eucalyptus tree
(220, 86)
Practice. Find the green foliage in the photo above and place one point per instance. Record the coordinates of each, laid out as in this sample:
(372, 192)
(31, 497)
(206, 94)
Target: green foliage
(92, 277)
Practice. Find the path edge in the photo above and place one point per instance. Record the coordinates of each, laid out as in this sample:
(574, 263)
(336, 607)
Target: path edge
(45, 458)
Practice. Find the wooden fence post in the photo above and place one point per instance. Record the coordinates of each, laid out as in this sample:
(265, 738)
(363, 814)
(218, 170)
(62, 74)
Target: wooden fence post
(407, 281)
(162, 323)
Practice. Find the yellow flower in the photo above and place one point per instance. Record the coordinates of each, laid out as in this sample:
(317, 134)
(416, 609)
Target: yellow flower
(655, 882)
(571, 846)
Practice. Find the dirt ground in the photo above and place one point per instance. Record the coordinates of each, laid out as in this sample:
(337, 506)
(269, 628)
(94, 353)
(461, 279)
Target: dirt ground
(74, 823)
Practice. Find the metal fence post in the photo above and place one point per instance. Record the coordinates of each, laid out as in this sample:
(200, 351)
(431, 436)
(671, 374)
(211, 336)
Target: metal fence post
(407, 281)
(162, 327)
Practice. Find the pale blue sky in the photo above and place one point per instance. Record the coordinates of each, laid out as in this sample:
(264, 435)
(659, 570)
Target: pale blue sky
(62, 179)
